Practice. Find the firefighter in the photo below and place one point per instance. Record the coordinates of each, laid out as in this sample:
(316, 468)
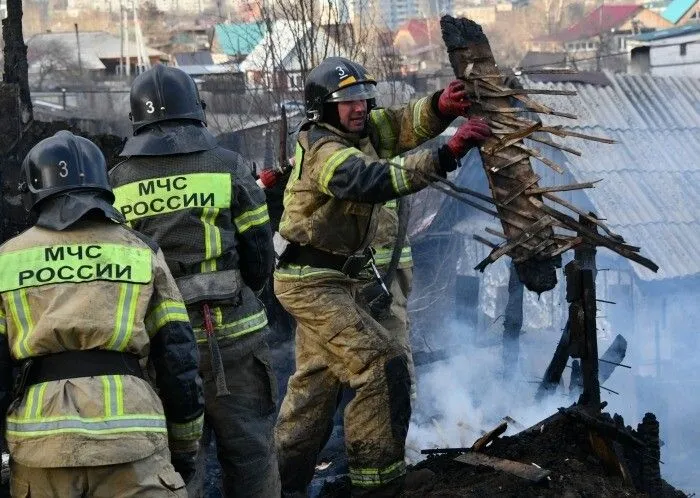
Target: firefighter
(84, 303)
(331, 206)
(201, 204)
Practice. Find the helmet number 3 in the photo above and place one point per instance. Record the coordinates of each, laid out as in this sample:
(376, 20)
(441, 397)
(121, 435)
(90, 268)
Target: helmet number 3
(63, 169)
(341, 72)
(149, 107)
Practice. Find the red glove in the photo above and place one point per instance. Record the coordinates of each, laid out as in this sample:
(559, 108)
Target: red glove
(453, 101)
(268, 177)
(468, 135)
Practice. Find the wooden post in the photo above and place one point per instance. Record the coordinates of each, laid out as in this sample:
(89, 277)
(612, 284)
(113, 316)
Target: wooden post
(512, 324)
(585, 257)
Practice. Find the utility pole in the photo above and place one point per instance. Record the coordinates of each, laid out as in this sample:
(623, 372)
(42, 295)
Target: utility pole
(77, 40)
(121, 35)
(125, 16)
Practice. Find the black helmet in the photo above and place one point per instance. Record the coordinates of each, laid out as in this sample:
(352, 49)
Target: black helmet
(336, 79)
(62, 163)
(163, 93)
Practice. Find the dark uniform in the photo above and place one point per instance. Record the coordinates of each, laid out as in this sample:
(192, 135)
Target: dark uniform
(201, 204)
(84, 303)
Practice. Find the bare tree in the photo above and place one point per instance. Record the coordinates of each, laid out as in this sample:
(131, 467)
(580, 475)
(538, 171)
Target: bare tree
(53, 62)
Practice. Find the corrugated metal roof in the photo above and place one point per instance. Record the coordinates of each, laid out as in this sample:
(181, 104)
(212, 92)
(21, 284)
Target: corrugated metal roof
(650, 191)
(677, 9)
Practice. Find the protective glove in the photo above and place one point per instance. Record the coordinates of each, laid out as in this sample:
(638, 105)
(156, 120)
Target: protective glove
(268, 178)
(453, 101)
(185, 464)
(468, 135)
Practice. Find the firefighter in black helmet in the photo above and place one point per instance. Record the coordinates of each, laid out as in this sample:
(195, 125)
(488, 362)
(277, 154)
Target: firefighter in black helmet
(353, 161)
(201, 204)
(84, 302)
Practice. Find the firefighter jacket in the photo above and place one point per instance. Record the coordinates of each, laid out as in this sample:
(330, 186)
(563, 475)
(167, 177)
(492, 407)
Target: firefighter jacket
(95, 285)
(333, 200)
(208, 215)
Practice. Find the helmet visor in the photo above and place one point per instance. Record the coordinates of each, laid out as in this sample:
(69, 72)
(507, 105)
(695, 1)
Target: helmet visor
(360, 91)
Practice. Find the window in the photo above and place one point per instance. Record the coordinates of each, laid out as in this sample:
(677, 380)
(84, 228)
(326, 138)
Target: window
(684, 48)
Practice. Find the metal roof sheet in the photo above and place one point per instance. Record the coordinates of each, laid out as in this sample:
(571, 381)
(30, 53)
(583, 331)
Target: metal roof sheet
(650, 191)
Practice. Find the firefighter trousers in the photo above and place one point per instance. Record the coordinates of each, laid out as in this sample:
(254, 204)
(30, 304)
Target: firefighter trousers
(397, 323)
(243, 422)
(339, 343)
(150, 477)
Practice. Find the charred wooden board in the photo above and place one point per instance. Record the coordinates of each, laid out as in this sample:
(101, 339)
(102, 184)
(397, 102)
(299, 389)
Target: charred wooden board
(471, 57)
(524, 471)
(519, 201)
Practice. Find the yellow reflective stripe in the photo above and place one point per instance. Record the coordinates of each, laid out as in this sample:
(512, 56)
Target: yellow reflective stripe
(167, 311)
(295, 272)
(418, 127)
(218, 316)
(191, 430)
(22, 319)
(241, 327)
(125, 315)
(119, 388)
(113, 393)
(3, 323)
(399, 180)
(371, 477)
(107, 395)
(382, 256)
(332, 164)
(47, 426)
(212, 239)
(252, 218)
(392, 204)
(46, 265)
(387, 138)
(170, 194)
(35, 399)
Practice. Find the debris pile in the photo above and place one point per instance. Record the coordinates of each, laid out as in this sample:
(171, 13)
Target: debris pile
(568, 454)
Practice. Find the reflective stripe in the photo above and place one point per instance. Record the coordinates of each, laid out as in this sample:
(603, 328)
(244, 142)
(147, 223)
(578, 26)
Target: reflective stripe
(399, 180)
(20, 314)
(212, 239)
(418, 127)
(295, 272)
(3, 322)
(332, 164)
(169, 194)
(391, 204)
(370, 477)
(35, 398)
(58, 264)
(113, 392)
(252, 218)
(167, 311)
(387, 138)
(241, 327)
(126, 311)
(382, 256)
(100, 425)
(191, 430)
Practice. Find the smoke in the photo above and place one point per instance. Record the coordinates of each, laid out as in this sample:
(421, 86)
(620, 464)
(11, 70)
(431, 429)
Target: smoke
(472, 390)
(470, 393)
